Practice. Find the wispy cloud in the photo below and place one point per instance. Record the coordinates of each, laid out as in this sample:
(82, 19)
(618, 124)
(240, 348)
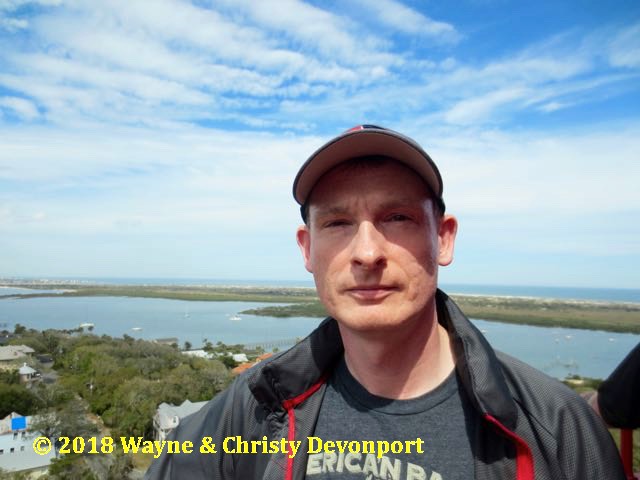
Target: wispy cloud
(624, 49)
(399, 17)
(13, 24)
(21, 107)
(122, 62)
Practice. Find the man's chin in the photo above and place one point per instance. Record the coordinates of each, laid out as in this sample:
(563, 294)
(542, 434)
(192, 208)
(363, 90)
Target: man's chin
(369, 320)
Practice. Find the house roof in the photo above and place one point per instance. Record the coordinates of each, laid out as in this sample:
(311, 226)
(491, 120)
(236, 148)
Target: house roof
(26, 370)
(6, 423)
(13, 352)
(169, 411)
(200, 353)
(241, 368)
(239, 357)
(166, 341)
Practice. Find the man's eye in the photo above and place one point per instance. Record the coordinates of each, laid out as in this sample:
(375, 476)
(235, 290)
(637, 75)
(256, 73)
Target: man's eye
(336, 223)
(398, 217)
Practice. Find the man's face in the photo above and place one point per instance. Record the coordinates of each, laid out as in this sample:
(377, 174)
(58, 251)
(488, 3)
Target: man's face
(373, 244)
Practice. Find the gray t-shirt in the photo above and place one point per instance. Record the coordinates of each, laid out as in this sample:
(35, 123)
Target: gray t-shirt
(440, 424)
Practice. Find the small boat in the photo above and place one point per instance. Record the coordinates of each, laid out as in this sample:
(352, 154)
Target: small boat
(136, 329)
(235, 318)
(86, 325)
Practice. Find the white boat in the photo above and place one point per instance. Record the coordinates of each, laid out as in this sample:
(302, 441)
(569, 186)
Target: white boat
(136, 329)
(235, 318)
(86, 325)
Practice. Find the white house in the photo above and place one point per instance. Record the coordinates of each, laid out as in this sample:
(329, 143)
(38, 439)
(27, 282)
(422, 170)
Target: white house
(16, 446)
(168, 417)
(27, 374)
(200, 353)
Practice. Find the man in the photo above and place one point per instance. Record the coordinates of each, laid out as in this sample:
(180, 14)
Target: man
(397, 383)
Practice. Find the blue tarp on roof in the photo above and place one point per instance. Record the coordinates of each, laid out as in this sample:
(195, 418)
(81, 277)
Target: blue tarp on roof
(19, 423)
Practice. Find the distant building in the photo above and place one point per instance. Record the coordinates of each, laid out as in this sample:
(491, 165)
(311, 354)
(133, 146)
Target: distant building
(170, 341)
(239, 357)
(200, 353)
(28, 375)
(5, 335)
(168, 417)
(10, 353)
(16, 446)
(247, 365)
(264, 356)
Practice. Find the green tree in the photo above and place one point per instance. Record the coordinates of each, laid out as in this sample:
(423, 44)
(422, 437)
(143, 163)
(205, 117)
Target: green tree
(69, 421)
(16, 398)
(13, 475)
(120, 466)
(228, 361)
(9, 377)
(70, 466)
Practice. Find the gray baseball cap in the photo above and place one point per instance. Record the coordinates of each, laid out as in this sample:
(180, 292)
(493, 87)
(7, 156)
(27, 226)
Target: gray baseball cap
(364, 141)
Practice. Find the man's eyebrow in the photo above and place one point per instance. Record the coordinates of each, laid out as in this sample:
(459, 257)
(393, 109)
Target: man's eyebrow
(403, 202)
(331, 210)
(398, 203)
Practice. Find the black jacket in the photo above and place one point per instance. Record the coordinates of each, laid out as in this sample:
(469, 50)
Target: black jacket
(619, 394)
(533, 426)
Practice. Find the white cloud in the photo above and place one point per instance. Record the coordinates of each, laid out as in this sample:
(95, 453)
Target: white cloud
(66, 72)
(474, 109)
(553, 106)
(13, 24)
(624, 50)
(536, 173)
(12, 5)
(398, 16)
(123, 62)
(24, 108)
(317, 30)
(119, 61)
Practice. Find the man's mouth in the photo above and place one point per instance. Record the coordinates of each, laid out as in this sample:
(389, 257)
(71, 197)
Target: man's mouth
(371, 292)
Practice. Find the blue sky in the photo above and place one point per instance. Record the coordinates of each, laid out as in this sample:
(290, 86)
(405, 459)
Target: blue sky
(160, 139)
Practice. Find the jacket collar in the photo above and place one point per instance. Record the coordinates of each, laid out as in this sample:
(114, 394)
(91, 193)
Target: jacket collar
(477, 364)
(293, 372)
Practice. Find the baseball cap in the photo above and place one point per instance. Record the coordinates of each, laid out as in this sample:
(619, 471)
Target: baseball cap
(364, 141)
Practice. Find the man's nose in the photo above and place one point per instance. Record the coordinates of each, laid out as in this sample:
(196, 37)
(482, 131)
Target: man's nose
(367, 248)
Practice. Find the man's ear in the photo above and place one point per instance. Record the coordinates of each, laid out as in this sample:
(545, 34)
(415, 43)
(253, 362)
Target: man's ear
(446, 239)
(303, 237)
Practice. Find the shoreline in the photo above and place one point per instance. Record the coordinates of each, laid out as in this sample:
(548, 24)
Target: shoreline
(614, 316)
